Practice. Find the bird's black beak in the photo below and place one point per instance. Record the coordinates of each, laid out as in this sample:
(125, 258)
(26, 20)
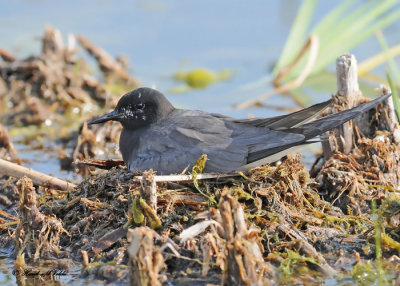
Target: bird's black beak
(113, 115)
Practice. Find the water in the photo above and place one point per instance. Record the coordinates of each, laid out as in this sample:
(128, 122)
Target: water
(162, 37)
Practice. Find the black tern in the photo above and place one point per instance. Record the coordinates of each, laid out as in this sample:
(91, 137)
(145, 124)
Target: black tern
(157, 136)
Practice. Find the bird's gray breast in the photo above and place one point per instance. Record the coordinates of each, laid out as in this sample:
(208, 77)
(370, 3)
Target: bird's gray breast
(129, 144)
(161, 147)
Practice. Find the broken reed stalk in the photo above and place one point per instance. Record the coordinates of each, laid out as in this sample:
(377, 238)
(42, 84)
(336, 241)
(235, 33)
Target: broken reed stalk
(7, 56)
(245, 264)
(107, 64)
(349, 96)
(347, 84)
(149, 189)
(145, 259)
(37, 235)
(17, 171)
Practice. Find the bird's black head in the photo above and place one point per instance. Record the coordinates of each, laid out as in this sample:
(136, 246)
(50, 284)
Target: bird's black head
(138, 108)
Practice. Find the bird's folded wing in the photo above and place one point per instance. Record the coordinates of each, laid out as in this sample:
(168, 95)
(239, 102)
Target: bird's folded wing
(180, 148)
(324, 124)
(283, 121)
(311, 130)
(227, 144)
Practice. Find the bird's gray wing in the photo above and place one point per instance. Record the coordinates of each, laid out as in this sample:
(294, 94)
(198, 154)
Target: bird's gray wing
(315, 128)
(324, 124)
(179, 140)
(284, 121)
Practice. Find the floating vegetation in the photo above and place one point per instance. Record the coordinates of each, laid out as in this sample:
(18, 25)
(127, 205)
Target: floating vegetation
(50, 95)
(200, 78)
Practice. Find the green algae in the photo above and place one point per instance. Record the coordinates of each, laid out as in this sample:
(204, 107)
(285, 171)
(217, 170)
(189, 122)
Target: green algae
(201, 78)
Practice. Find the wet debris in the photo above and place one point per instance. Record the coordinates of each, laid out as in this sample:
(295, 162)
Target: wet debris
(37, 251)
(271, 226)
(352, 181)
(99, 141)
(48, 95)
(7, 150)
(37, 235)
(112, 68)
(145, 259)
(9, 193)
(244, 262)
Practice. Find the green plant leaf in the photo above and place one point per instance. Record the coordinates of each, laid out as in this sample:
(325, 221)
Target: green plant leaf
(389, 58)
(395, 95)
(348, 41)
(297, 35)
(348, 32)
(367, 65)
(332, 19)
(394, 70)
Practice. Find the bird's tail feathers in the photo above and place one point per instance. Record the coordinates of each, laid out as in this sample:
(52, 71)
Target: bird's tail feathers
(324, 124)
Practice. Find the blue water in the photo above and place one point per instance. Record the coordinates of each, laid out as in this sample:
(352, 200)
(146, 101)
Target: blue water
(162, 37)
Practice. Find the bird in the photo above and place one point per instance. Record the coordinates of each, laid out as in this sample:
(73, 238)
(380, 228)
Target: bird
(156, 135)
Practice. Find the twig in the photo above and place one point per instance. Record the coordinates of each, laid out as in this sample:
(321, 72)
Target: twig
(145, 259)
(101, 164)
(7, 56)
(149, 189)
(85, 258)
(181, 178)
(52, 41)
(17, 171)
(106, 62)
(8, 215)
(314, 47)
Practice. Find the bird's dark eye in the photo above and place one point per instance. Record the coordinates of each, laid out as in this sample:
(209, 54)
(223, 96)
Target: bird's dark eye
(139, 106)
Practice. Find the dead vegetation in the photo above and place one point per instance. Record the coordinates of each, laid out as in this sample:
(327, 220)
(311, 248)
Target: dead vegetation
(50, 95)
(7, 149)
(271, 226)
(276, 224)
